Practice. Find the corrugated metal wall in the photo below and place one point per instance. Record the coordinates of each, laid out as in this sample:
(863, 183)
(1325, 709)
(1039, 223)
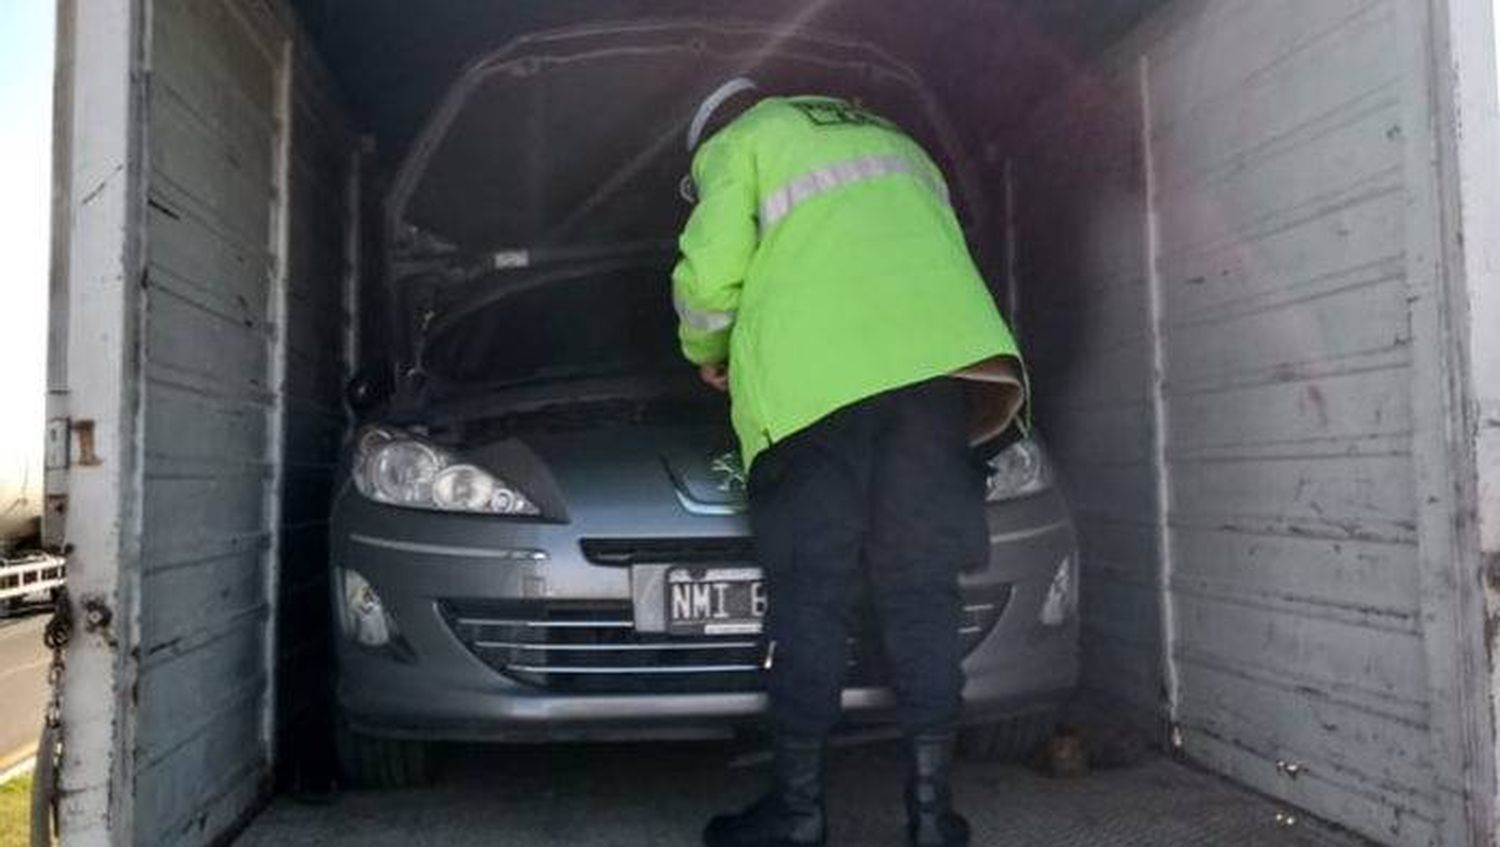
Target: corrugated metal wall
(240, 232)
(1227, 382)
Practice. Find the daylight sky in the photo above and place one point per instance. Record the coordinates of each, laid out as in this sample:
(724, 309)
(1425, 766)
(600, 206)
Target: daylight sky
(25, 161)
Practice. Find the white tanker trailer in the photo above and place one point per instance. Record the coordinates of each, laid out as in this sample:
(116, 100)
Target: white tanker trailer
(20, 492)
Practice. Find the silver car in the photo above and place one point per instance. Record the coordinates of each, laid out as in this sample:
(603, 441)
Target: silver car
(541, 532)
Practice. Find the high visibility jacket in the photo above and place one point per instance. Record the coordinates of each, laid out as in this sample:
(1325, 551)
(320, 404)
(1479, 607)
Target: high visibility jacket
(824, 264)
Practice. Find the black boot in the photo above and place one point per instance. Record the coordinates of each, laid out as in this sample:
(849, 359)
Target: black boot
(791, 815)
(930, 818)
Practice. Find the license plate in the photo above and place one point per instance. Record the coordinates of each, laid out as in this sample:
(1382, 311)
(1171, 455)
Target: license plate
(715, 601)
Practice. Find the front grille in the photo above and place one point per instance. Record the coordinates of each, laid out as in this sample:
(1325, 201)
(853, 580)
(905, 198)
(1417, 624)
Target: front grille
(620, 552)
(981, 612)
(593, 647)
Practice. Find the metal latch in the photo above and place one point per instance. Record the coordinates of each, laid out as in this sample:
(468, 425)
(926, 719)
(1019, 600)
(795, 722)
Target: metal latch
(58, 455)
(60, 452)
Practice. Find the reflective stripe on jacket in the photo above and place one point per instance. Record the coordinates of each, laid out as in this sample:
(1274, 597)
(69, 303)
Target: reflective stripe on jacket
(824, 263)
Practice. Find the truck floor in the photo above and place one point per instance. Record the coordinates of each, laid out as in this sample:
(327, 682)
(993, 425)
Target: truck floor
(660, 795)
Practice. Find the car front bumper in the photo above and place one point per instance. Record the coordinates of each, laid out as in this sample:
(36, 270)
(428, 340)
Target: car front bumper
(438, 688)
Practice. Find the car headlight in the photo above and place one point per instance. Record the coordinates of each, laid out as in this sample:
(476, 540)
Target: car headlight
(1020, 470)
(396, 468)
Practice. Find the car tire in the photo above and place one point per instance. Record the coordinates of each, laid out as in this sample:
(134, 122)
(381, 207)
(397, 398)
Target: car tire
(1011, 740)
(368, 761)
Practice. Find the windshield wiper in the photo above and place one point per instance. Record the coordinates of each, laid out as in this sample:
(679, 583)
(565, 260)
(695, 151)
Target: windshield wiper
(453, 266)
(565, 254)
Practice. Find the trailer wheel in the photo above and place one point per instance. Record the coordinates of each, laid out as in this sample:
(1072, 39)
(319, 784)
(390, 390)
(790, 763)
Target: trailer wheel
(367, 761)
(1010, 740)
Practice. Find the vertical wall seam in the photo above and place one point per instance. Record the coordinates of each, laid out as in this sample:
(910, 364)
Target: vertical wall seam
(1159, 409)
(127, 628)
(280, 343)
(353, 253)
(1453, 589)
(1012, 248)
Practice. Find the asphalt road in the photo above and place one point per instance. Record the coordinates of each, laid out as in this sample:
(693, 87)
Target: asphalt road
(23, 683)
(658, 795)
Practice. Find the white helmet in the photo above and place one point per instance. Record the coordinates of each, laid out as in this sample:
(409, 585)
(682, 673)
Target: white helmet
(711, 103)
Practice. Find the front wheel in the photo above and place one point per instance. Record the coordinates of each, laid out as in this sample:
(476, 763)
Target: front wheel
(368, 761)
(1012, 740)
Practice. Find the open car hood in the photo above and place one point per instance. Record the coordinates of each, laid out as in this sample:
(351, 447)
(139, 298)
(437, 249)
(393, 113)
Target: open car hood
(576, 137)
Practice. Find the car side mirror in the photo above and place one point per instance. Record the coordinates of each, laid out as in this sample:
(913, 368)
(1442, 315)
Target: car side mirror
(368, 388)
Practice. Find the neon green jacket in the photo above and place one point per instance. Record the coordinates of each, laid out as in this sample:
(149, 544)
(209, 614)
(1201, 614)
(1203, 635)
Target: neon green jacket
(824, 263)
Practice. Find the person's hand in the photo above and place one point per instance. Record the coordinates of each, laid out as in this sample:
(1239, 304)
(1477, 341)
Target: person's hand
(716, 375)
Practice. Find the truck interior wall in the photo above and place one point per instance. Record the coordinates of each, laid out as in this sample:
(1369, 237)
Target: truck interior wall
(243, 358)
(1083, 315)
(324, 274)
(1220, 292)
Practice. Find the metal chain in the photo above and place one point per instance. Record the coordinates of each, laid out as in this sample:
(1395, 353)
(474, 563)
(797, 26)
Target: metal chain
(47, 790)
(58, 633)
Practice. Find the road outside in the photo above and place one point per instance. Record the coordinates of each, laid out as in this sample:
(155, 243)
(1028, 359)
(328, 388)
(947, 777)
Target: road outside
(23, 696)
(23, 685)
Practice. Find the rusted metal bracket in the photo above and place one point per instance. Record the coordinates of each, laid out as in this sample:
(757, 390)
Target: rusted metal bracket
(96, 614)
(98, 618)
(61, 433)
(84, 431)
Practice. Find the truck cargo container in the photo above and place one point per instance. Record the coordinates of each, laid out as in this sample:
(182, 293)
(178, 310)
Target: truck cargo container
(1249, 247)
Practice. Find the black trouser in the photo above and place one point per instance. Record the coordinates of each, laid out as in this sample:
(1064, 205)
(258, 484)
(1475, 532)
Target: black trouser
(887, 484)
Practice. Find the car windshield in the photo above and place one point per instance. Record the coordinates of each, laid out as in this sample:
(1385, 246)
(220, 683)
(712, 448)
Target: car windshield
(617, 322)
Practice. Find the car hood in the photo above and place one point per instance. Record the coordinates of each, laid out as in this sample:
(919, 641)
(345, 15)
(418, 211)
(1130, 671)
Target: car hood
(576, 137)
(633, 476)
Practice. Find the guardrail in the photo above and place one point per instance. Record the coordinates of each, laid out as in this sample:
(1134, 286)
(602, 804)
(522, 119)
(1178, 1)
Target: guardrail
(30, 575)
